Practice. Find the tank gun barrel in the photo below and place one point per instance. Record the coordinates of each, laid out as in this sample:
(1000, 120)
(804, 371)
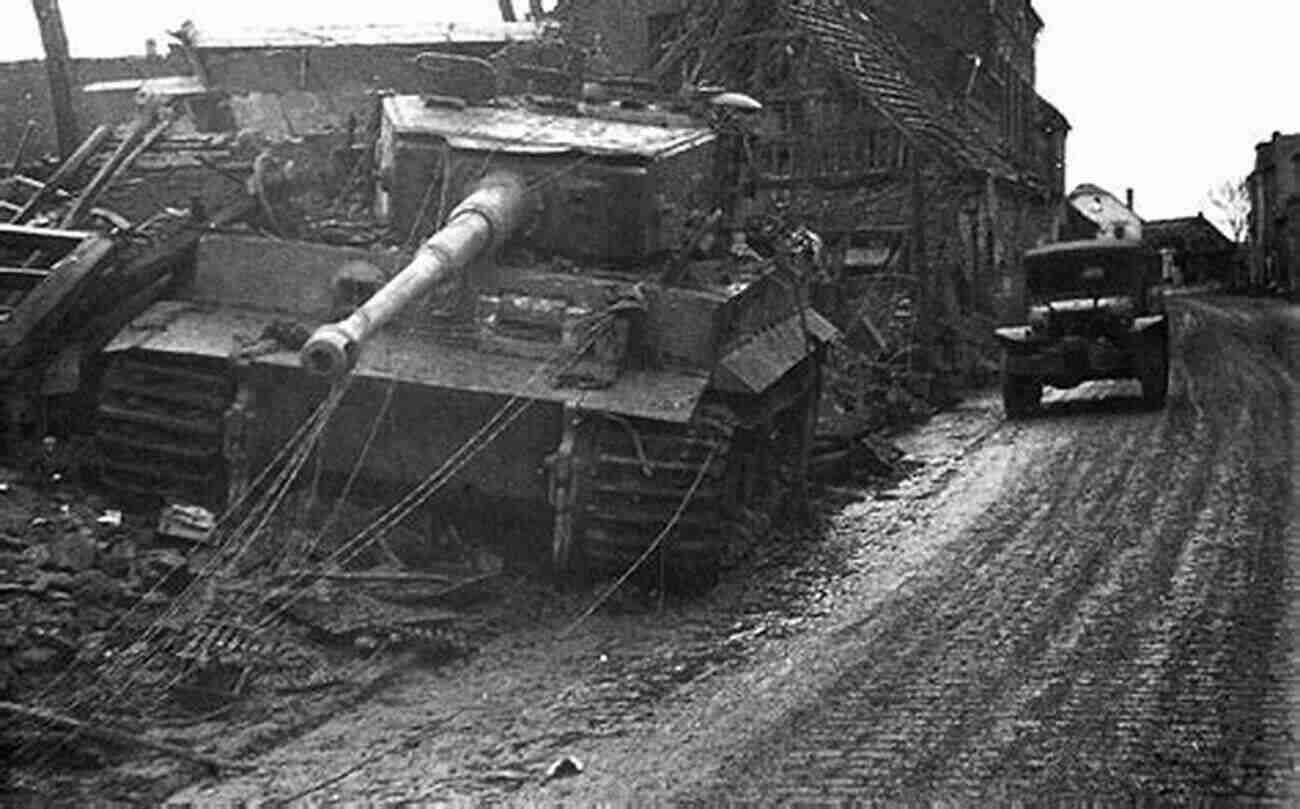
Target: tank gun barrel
(480, 223)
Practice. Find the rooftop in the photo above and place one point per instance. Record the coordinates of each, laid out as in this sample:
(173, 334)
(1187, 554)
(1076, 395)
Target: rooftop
(1189, 232)
(329, 36)
(870, 57)
(1087, 246)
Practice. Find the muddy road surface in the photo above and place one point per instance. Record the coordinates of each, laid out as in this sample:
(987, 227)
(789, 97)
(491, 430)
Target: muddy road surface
(1096, 603)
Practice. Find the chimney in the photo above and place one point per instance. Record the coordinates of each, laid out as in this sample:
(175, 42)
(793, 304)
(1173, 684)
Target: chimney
(1128, 199)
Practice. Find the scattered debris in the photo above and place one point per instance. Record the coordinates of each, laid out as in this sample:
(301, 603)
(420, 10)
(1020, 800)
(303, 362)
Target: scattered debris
(847, 450)
(564, 767)
(111, 518)
(189, 523)
(49, 719)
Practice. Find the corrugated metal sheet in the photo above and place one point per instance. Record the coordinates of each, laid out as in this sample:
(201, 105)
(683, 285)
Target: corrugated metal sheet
(182, 328)
(771, 353)
(333, 36)
(861, 49)
(521, 131)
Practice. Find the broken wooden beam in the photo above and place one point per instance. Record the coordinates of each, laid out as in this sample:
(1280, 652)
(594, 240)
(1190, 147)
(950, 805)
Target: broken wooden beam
(137, 141)
(69, 167)
(20, 154)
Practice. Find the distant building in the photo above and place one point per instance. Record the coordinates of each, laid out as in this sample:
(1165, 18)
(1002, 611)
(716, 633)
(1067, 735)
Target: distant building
(1195, 248)
(291, 80)
(1275, 213)
(1095, 213)
(281, 80)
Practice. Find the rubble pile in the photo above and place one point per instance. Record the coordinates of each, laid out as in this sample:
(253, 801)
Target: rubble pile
(864, 402)
(70, 569)
(106, 616)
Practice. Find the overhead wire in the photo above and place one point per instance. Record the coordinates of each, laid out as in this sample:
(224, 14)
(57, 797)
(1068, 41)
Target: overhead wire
(650, 549)
(289, 461)
(487, 433)
(163, 581)
(306, 434)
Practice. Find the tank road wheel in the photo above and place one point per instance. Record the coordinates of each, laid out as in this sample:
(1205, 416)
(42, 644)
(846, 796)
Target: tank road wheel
(617, 482)
(1021, 394)
(1153, 370)
(160, 426)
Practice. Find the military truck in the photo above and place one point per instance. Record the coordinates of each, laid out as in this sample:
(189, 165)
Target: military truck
(1095, 310)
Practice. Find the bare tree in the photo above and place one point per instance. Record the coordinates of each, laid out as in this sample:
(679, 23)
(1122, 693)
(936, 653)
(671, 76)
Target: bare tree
(507, 10)
(1231, 199)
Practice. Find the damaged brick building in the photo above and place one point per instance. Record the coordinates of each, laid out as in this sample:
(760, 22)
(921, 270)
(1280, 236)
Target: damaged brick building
(907, 133)
(1275, 213)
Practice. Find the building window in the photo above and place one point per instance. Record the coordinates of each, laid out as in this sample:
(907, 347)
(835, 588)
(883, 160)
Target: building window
(826, 138)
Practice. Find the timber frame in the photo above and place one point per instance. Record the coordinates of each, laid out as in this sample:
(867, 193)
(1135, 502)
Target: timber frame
(859, 141)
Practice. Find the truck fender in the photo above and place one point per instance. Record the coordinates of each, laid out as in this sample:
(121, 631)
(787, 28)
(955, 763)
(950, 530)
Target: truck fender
(1150, 323)
(1008, 336)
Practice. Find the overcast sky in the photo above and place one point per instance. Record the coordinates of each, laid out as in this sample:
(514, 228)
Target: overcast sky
(1165, 96)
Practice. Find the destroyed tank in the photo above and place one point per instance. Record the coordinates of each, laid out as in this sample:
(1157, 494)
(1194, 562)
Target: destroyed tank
(654, 386)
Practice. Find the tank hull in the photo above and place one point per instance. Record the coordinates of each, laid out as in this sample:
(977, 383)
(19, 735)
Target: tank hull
(609, 484)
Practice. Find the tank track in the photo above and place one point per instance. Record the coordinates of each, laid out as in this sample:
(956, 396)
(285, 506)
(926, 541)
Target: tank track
(634, 474)
(159, 427)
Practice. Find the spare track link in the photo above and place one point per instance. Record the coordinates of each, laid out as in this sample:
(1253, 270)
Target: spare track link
(159, 427)
(635, 474)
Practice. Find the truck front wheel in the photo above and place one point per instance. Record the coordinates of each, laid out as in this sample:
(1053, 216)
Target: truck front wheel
(1020, 394)
(1154, 371)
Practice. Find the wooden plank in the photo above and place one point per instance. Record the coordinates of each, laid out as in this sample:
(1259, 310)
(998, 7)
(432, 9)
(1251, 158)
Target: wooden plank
(20, 154)
(23, 273)
(135, 144)
(54, 235)
(48, 300)
(61, 175)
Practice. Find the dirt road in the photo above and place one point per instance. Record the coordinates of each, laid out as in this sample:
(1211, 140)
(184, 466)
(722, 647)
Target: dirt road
(1099, 602)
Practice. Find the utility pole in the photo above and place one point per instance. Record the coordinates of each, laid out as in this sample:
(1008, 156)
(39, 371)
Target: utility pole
(58, 66)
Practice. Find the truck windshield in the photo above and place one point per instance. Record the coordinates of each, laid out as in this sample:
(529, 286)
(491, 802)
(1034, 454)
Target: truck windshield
(1082, 275)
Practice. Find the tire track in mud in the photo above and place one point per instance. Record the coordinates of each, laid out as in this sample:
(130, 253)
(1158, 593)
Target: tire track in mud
(1109, 628)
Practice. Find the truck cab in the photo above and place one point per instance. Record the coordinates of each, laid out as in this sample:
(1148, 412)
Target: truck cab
(1093, 310)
